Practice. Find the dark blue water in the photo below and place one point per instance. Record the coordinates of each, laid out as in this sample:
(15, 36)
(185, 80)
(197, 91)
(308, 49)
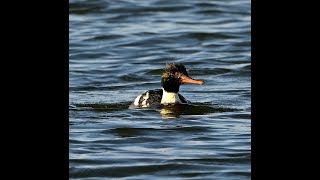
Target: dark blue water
(118, 50)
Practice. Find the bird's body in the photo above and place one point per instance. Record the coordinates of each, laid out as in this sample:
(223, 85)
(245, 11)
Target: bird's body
(172, 78)
(159, 96)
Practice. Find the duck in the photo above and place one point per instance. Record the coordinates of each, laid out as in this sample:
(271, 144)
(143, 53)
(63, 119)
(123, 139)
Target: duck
(174, 75)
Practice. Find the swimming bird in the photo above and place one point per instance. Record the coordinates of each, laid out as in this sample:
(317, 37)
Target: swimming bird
(173, 76)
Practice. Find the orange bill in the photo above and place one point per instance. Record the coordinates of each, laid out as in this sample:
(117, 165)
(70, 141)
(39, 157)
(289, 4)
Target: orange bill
(189, 80)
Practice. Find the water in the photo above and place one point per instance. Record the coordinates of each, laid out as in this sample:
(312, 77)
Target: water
(118, 49)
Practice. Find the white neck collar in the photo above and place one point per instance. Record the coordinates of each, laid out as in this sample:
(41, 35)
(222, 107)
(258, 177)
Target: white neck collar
(170, 97)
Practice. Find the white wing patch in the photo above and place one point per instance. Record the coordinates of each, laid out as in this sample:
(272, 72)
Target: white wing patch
(136, 101)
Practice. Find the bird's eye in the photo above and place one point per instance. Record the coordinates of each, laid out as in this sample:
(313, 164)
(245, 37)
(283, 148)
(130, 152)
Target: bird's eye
(178, 74)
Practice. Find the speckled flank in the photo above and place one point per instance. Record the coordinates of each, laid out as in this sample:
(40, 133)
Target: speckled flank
(148, 98)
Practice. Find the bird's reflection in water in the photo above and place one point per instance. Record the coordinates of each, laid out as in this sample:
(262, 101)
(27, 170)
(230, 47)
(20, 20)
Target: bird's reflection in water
(176, 110)
(169, 112)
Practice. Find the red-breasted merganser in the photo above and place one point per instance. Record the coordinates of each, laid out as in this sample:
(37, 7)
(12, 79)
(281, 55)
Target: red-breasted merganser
(174, 75)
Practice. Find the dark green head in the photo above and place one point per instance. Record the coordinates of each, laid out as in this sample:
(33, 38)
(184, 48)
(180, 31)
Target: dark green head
(174, 75)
